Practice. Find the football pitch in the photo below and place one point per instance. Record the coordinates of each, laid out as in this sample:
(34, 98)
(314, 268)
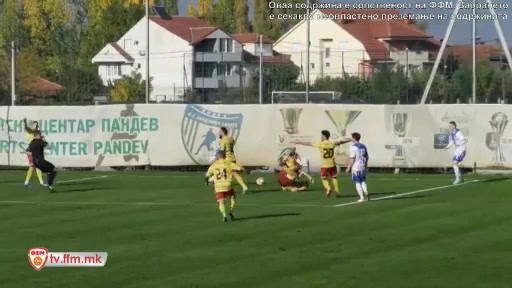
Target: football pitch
(163, 230)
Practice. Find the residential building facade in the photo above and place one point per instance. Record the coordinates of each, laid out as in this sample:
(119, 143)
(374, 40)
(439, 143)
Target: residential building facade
(350, 46)
(186, 54)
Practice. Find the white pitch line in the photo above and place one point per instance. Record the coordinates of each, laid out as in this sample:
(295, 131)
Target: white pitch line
(81, 179)
(407, 193)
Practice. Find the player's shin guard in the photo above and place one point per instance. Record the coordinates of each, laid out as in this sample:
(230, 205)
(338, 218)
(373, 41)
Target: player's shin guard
(456, 171)
(326, 185)
(335, 185)
(40, 176)
(365, 188)
(222, 208)
(359, 189)
(232, 204)
(29, 174)
(50, 177)
(240, 181)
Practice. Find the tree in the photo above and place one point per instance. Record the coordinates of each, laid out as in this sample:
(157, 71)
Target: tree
(129, 89)
(387, 86)
(191, 11)
(261, 21)
(241, 16)
(204, 8)
(171, 7)
(275, 78)
(5, 76)
(11, 24)
(461, 79)
(29, 66)
(223, 15)
(487, 82)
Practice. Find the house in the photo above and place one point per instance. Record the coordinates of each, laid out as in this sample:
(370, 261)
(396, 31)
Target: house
(483, 52)
(40, 91)
(185, 54)
(342, 43)
(251, 43)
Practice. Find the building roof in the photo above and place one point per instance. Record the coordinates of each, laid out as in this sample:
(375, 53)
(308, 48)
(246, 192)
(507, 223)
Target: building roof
(371, 33)
(465, 52)
(121, 51)
(251, 38)
(190, 29)
(41, 86)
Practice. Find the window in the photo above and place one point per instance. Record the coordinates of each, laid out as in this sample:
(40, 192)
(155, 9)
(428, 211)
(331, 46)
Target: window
(109, 70)
(226, 45)
(327, 64)
(127, 43)
(226, 69)
(114, 70)
(117, 70)
(138, 66)
(327, 52)
(312, 65)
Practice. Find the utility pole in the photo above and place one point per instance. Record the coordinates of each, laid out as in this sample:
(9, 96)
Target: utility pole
(13, 73)
(261, 71)
(147, 52)
(474, 53)
(308, 39)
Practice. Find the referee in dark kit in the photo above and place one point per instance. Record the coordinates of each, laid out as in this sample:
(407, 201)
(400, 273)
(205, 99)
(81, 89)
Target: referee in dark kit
(36, 147)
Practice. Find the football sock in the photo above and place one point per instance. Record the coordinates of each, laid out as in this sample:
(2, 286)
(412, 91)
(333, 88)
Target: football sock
(326, 185)
(29, 174)
(222, 208)
(232, 206)
(50, 177)
(40, 176)
(456, 170)
(365, 188)
(335, 185)
(359, 189)
(240, 180)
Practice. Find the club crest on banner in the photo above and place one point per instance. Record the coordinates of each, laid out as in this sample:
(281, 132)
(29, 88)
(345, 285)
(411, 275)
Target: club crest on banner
(37, 257)
(199, 128)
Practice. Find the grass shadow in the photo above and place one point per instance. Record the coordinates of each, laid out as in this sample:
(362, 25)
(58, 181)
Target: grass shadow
(81, 183)
(83, 189)
(265, 216)
(497, 179)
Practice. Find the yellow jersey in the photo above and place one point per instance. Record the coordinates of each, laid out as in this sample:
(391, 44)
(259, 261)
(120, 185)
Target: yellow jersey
(291, 168)
(222, 170)
(326, 153)
(227, 144)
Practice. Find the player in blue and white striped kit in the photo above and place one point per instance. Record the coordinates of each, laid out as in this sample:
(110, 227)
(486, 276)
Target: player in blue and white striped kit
(460, 142)
(359, 165)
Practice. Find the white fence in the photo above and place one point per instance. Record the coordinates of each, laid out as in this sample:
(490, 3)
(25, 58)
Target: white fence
(175, 135)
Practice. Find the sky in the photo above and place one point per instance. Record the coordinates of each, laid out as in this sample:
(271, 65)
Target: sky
(462, 30)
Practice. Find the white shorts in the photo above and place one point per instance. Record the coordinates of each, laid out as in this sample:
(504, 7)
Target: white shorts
(459, 154)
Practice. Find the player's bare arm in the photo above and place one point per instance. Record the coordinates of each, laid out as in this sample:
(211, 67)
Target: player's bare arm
(28, 129)
(349, 167)
(341, 142)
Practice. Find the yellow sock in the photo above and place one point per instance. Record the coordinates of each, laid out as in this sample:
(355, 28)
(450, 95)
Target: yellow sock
(240, 180)
(335, 185)
(222, 208)
(29, 174)
(40, 176)
(233, 202)
(325, 182)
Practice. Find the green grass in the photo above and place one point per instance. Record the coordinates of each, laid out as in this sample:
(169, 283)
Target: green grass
(459, 236)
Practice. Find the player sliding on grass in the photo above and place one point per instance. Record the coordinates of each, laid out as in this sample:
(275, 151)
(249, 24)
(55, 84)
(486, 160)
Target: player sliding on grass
(289, 174)
(359, 165)
(223, 170)
(460, 142)
(227, 145)
(36, 148)
(327, 163)
(30, 135)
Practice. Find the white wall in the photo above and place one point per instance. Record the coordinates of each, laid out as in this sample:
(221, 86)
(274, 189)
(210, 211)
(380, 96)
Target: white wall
(168, 55)
(346, 50)
(254, 49)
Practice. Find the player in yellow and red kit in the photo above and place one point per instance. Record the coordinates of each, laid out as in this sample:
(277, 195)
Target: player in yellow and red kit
(30, 136)
(327, 163)
(288, 176)
(227, 144)
(222, 171)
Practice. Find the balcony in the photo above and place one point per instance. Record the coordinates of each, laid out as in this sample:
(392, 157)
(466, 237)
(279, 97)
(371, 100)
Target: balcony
(217, 57)
(217, 82)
